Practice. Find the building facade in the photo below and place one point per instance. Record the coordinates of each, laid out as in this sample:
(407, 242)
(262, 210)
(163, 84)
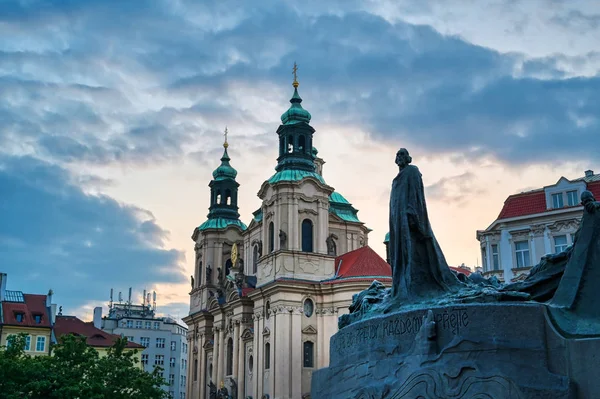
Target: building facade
(532, 224)
(266, 296)
(163, 339)
(30, 314)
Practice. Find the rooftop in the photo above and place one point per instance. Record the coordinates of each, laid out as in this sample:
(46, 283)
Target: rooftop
(94, 336)
(362, 263)
(29, 308)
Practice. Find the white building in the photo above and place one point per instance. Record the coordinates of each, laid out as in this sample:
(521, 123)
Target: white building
(533, 224)
(266, 297)
(164, 339)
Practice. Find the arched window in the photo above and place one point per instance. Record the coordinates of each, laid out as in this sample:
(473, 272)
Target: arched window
(255, 259)
(229, 356)
(267, 356)
(200, 273)
(309, 354)
(307, 235)
(282, 145)
(271, 237)
(195, 369)
(290, 143)
(227, 199)
(301, 144)
(218, 198)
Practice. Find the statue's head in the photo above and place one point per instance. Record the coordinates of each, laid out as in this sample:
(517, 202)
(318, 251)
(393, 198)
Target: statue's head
(586, 197)
(222, 384)
(403, 158)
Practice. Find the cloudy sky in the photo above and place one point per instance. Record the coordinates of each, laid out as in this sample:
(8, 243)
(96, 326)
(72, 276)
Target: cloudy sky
(112, 112)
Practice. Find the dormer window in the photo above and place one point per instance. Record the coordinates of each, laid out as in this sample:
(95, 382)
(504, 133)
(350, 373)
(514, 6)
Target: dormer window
(572, 198)
(19, 317)
(37, 318)
(557, 201)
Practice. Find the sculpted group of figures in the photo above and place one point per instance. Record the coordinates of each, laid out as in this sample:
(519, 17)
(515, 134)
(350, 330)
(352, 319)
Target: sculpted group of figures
(420, 272)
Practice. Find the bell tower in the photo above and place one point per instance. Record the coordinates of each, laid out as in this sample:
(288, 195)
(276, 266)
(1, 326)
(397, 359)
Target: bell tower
(295, 135)
(224, 189)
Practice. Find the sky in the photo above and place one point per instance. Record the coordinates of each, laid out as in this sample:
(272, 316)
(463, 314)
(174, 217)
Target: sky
(112, 116)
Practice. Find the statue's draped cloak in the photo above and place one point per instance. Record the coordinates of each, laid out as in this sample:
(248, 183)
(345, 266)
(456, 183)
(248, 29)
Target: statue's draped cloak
(419, 268)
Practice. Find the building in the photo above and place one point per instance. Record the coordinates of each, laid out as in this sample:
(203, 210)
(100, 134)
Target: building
(30, 314)
(266, 297)
(163, 338)
(95, 337)
(532, 224)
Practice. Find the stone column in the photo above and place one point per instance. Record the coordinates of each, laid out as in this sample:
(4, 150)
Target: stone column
(241, 366)
(295, 225)
(189, 388)
(532, 253)
(236, 344)
(322, 228)
(218, 261)
(255, 352)
(222, 360)
(216, 360)
(296, 348)
(201, 364)
(277, 221)
(291, 226)
(488, 254)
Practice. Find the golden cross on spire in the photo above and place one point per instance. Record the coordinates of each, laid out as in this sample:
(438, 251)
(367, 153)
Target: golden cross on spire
(225, 134)
(294, 71)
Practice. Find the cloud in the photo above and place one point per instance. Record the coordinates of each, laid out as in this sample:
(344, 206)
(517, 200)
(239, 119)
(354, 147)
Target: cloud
(53, 235)
(455, 190)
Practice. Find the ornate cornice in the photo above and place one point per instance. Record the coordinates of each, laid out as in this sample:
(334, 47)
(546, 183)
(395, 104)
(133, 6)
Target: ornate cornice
(326, 311)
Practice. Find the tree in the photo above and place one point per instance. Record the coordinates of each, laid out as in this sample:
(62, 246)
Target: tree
(76, 371)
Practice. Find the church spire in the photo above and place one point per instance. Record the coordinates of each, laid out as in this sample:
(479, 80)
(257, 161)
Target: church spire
(224, 188)
(295, 134)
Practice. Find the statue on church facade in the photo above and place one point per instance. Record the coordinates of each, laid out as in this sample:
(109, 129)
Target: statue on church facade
(208, 274)
(192, 278)
(282, 239)
(331, 247)
(419, 269)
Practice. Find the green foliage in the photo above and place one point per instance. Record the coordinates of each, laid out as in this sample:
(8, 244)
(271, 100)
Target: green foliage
(75, 371)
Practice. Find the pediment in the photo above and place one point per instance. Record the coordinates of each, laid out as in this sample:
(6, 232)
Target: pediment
(213, 304)
(208, 344)
(247, 335)
(266, 331)
(309, 330)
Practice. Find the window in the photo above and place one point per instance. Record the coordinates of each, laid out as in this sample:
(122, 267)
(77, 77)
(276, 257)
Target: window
(267, 356)
(560, 243)
(255, 259)
(144, 358)
(28, 343)
(40, 345)
(308, 354)
(301, 143)
(156, 325)
(557, 201)
(37, 318)
(271, 237)
(138, 324)
(251, 363)
(159, 360)
(484, 259)
(129, 339)
(182, 395)
(495, 257)
(173, 345)
(307, 235)
(171, 379)
(148, 325)
(308, 307)
(129, 323)
(172, 362)
(229, 357)
(572, 199)
(160, 342)
(145, 341)
(195, 369)
(19, 317)
(522, 254)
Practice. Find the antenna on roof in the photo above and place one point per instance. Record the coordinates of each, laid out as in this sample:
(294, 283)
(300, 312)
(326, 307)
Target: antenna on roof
(154, 300)
(129, 296)
(148, 295)
(144, 298)
(111, 299)
(120, 297)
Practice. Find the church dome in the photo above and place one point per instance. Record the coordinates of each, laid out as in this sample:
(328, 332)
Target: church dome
(225, 170)
(295, 114)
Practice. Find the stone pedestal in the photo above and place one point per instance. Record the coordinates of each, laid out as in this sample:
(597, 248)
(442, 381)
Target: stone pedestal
(471, 351)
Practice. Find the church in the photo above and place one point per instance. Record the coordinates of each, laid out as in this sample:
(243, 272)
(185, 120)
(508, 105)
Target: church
(266, 296)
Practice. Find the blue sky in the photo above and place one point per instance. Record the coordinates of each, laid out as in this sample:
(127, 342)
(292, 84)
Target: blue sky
(112, 112)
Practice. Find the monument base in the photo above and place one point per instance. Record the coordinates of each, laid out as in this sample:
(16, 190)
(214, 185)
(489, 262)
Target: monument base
(495, 350)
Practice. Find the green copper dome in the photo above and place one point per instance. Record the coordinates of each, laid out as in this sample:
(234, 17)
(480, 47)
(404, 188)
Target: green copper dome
(225, 170)
(296, 113)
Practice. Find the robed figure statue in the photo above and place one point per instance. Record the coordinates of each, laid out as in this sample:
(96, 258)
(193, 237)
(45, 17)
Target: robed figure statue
(419, 269)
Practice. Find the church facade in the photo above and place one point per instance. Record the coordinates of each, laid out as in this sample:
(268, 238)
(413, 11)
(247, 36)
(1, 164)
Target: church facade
(266, 296)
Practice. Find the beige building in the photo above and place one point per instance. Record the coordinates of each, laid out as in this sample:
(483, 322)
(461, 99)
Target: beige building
(266, 297)
(533, 224)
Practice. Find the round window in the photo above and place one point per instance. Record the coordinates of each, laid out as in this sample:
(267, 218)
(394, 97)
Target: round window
(250, 363)
(308, 307)
(267, 309)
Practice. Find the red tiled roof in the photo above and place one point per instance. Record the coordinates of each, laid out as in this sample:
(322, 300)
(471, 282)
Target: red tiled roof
(33, 305)
(523, 204)
(459, 269)
(95, 337)
(594, 187)
(362, 262)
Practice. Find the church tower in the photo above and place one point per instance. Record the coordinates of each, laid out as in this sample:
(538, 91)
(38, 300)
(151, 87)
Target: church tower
(216, 236)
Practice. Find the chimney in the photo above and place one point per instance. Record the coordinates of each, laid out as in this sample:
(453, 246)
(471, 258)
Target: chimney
(589, 173)
(3, 278)
(49, 298)
(98, 317)
(53, 314)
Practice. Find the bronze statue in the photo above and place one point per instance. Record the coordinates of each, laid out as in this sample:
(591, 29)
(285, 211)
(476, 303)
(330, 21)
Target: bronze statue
(419, 269)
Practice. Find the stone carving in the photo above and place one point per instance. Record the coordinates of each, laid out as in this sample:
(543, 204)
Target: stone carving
(331, 247)
(208, 275)
(260, 249)
(192, 281)
(419, 269)
(362, 303)
(282, 239)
